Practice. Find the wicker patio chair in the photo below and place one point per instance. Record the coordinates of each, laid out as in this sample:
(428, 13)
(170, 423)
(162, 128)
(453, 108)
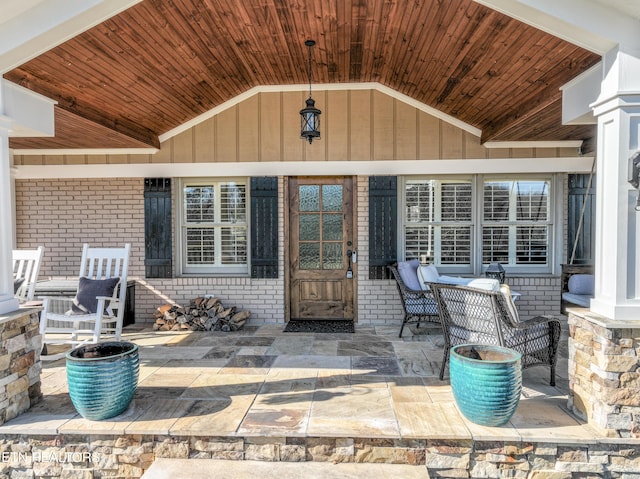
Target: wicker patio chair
(471, 315)
(418, 305)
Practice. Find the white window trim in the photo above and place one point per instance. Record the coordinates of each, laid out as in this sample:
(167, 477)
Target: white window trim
(201, 270)
(476, 268)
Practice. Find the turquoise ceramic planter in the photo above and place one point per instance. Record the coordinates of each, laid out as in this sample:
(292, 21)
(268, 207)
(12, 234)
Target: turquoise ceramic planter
(486, 382)
(102, 386)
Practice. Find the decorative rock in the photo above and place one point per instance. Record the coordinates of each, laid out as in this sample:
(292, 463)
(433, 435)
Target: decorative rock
(18, 386)
(572, 455)
(262, 452)
(582, 358)
(439, 461)
(545, 450)
(582, 336)
(625, 397)
(619, 364)
(541, 463)
(292, 453)
(171, 449)
(630, 380)
(619, 421)
(5, 360)
(580, 467)
(549, 475)
(128, 470)
(76, 474)
(218, 445)
(15, 344)
(485, 469)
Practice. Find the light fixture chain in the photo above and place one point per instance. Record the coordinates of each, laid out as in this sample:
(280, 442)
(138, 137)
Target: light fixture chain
(310, 69)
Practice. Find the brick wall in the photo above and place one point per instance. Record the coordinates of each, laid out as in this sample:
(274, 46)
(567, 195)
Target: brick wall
(63, 214)
(379, 300)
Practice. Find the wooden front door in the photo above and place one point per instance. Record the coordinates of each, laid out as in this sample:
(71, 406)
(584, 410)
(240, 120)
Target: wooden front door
(321, 238)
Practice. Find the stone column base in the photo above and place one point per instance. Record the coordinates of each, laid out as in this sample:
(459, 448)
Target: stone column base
(20, 364)
(604, 372)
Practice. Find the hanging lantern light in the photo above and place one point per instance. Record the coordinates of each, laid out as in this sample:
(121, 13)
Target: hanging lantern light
(310, 115)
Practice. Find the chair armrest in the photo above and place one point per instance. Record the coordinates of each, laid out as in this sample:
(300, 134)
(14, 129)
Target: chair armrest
(68, 299)
(552, 321)
(106, 298)
(528, 323)
(417, 294)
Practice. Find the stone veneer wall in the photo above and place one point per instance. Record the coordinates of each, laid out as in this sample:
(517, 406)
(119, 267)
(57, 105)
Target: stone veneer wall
(604, 373)
(85, 457)
(20, 364)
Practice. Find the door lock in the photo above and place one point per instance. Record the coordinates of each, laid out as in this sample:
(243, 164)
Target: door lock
(351, 255)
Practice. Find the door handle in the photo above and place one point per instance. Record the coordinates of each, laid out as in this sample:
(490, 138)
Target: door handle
(351, 255)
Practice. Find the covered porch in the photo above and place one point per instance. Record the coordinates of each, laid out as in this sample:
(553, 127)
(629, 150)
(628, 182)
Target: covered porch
(534, 93)
(262, 394)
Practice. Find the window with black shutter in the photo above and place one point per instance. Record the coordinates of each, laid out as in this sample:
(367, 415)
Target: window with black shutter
(157, 228)
(383, 214)
(581, 219)
(264, 227)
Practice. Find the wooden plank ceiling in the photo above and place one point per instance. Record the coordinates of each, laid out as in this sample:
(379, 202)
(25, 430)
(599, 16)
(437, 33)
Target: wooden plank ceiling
(159, 64)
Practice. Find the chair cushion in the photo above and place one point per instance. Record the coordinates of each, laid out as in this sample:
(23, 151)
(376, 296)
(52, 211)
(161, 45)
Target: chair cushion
(86, 301)
(455, 280)
(422, 307)
(489, 284)
(508, 299)
(582, 284)
(583, 300)
(408, 271)
(427, 274)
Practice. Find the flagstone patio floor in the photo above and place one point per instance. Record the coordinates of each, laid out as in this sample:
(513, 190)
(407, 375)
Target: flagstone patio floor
(262, 382)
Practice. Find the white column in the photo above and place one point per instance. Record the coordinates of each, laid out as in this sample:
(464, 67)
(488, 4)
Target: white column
(617, 258)
(7, 302)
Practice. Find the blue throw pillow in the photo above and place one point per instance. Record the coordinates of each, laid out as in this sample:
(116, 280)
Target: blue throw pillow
(86, 300)
(408, 271)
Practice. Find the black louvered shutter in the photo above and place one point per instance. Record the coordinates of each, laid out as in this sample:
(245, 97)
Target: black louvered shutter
(157, 227)
(383, 206)
(581, 201)
(264, 227)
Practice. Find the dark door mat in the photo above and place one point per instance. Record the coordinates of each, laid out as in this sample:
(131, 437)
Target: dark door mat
(319, 326)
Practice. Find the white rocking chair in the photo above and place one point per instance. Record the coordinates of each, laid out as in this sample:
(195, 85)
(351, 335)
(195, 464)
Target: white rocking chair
(26, 268)
(98, 307)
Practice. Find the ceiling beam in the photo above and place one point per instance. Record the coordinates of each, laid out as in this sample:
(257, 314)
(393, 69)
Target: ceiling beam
(579, 94)
(525, 112)
(579, 22)
(600, 18)
(31, 114)
(76, 131)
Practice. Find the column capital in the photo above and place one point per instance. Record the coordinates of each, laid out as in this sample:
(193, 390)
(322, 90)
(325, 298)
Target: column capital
(615, 101)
